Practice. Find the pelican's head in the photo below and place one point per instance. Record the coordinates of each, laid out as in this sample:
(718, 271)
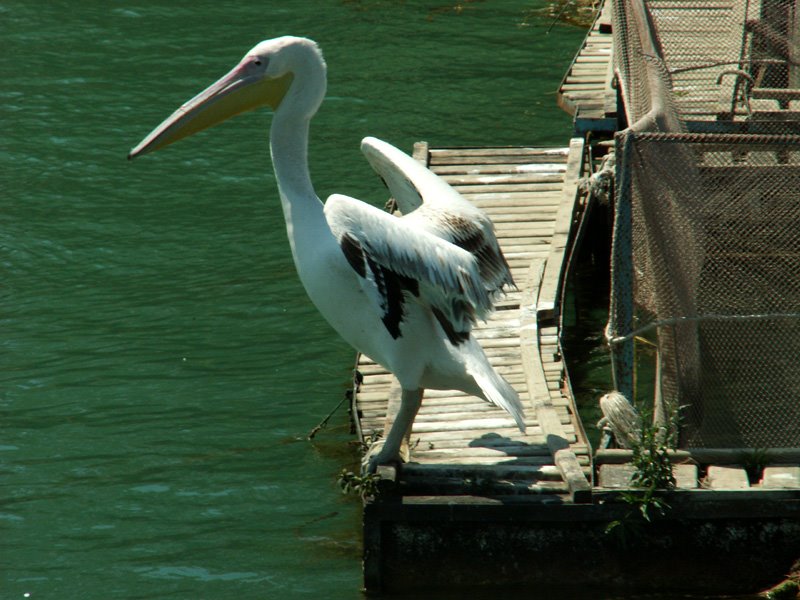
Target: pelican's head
(262, 78)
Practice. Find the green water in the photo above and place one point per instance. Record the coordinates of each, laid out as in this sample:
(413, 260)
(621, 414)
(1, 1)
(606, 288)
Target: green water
(161, 365)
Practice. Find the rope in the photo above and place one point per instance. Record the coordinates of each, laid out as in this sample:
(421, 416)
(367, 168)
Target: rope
(324, 423)
(678, 320)
(718, 139)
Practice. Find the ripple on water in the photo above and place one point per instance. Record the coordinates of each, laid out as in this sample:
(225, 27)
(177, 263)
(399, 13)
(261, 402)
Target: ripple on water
(199, 574)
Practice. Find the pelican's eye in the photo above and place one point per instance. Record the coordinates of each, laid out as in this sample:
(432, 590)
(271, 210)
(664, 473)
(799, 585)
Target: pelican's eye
(256, 63)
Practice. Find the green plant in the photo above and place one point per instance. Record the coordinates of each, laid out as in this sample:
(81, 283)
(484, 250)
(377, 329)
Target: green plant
(653, 473)
(651, 456)
(788, 590)
(365, 486)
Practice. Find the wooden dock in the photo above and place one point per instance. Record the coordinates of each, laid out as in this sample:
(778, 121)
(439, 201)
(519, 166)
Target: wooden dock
(587, 90)
(477, 504)
(461, 442)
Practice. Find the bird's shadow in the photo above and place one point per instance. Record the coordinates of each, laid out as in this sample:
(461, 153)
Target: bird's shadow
(509, 446)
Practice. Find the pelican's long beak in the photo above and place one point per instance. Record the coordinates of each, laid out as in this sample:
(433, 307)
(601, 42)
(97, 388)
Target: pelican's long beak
(243, 89)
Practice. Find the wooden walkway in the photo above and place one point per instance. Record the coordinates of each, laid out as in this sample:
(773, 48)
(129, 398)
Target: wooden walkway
(460, 443)
(586, 90)
(701, 51)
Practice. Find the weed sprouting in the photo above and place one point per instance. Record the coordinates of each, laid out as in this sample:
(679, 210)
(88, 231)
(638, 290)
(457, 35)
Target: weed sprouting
(653, 475)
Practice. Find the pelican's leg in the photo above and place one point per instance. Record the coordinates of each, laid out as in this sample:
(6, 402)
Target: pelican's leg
(400, 430)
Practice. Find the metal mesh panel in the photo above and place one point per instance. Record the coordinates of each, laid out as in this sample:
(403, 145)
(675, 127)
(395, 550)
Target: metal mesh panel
(715, 266)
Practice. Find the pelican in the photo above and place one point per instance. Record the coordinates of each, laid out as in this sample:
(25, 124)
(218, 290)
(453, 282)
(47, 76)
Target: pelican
(404, 291)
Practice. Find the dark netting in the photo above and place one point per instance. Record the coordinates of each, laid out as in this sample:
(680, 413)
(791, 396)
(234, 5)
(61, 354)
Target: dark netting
(715, 247)
(707, 234)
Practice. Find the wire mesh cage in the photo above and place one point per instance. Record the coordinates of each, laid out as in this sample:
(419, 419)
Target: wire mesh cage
(714, 270)
(723, 60)
(706, 257)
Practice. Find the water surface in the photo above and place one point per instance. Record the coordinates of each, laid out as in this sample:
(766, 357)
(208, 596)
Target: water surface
(161, 366)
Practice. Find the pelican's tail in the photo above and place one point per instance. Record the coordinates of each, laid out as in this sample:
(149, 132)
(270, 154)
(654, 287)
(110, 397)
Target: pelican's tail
(499, 392)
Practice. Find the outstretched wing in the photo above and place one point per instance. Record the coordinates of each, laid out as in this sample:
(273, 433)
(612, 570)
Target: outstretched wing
(396, 261)
(429, 203)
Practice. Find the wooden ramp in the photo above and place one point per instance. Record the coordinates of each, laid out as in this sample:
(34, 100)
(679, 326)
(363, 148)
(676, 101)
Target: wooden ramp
(586, 91)
(461, 444)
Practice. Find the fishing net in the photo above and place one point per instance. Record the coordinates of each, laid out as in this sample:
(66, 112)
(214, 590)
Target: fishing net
(706, 262)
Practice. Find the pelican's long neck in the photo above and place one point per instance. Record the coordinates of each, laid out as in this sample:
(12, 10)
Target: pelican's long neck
(302, 208)
(288, 142)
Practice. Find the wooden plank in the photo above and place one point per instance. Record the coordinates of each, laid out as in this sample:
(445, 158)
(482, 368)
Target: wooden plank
(444, 160)
(526, 472)
(459, 487)
(493, 441)
(556, 436)
(536, 206)
(604, 21)
(513, 187)
(610, 97)
(446, 455)
(447, 415)
(499, 179)
(480, 168)
(534, 435)
(466, 424)
(436, 154)
(486, 455)
(421, 152)
(550, 290)
(584, 88)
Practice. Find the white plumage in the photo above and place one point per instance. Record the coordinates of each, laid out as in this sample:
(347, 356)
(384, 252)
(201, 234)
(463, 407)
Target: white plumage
(406, 290)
